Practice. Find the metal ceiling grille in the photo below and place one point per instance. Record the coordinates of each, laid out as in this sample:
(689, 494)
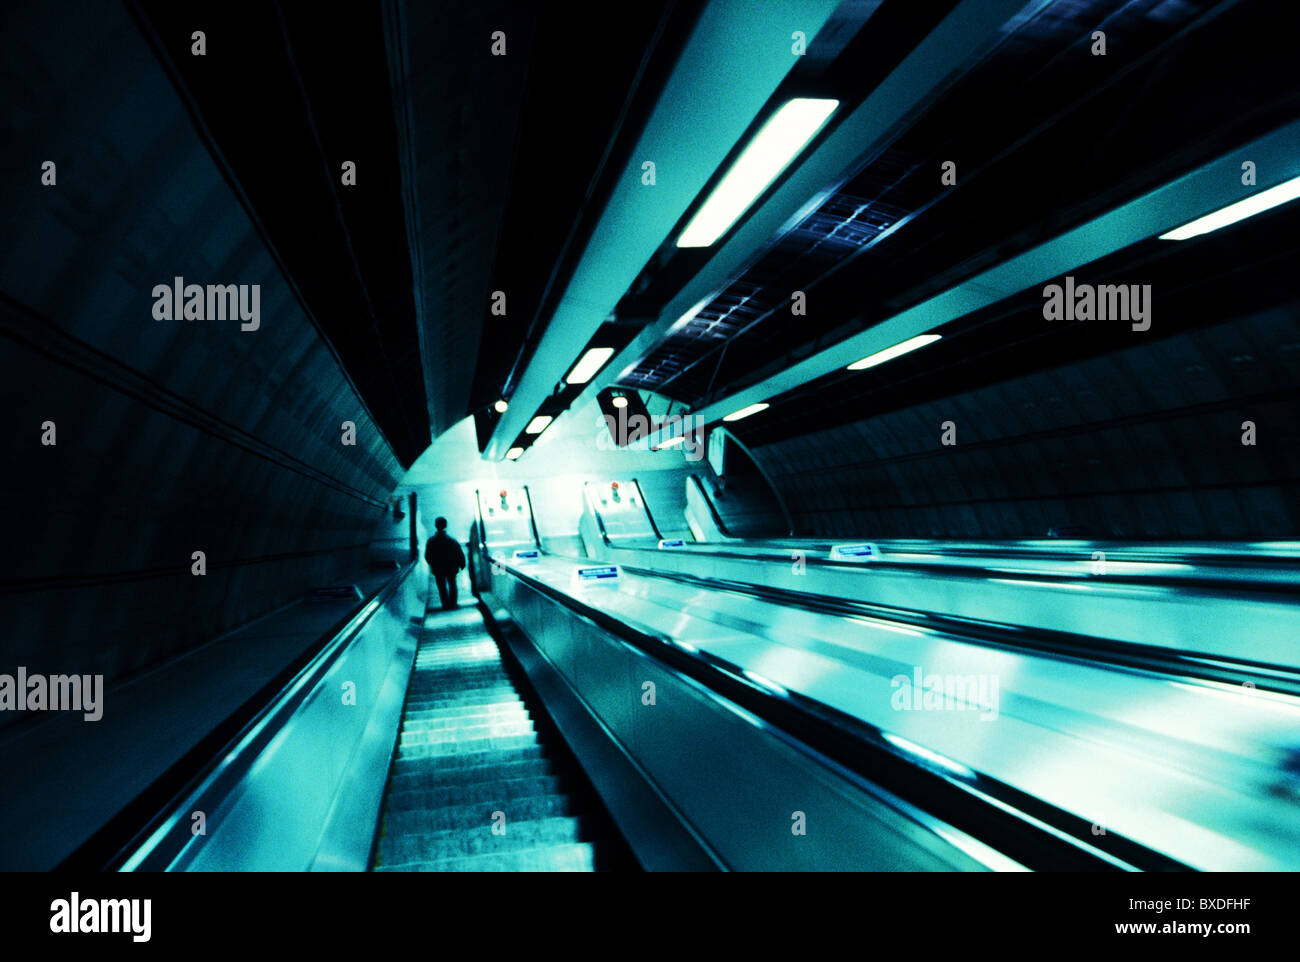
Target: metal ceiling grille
(752, 317)
(843, 223)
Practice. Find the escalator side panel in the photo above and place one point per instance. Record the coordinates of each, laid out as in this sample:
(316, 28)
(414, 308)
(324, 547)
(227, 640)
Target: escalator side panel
(738, 785)
(647, 820)
(312, 798)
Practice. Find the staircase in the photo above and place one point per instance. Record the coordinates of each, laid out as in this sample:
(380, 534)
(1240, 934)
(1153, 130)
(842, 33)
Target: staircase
(472, 787)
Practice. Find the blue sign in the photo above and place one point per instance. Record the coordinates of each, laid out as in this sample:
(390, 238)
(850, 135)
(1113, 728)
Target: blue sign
(854, 552)
(601, 573)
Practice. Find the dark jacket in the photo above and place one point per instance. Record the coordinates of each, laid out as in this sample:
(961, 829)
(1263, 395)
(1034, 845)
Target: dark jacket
(443, 554)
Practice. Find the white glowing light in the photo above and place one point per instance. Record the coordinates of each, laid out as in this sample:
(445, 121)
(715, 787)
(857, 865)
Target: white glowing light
(889, 353)
(591, 362)
(747, 411)
(776, 144)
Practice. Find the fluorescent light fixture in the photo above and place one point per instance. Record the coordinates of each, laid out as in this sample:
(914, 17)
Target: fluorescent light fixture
(889, 353)
(1284, 192)
(619, 401)
(591, 362)
(671, 442)
(777, 143)
(747, 411)
(538, 424)
(514, 454)
(501, 406)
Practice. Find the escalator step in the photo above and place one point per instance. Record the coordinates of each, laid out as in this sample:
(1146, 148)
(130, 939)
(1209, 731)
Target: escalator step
(478, 759)
(469, 715)
(478, 791)
(455, 843)
(478, 815)
(471, 787)
(506, 769)
(479, 743)
(579, 857)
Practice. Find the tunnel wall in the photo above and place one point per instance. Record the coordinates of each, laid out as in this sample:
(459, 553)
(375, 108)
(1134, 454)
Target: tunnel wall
(1145, 443)
(171, 436)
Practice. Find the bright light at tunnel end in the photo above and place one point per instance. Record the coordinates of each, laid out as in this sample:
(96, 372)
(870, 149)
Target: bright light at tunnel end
(1283, 193)
(747, 411)
(776, 144)
(898, 350)
(591, 362)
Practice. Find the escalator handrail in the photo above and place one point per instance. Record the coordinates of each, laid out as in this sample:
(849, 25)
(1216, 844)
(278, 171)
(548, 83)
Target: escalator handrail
(600, 521)
(708, 503)
(595, 513)
(532, 518)
(1115, 551)
(648, 515)
(1093, 649)
(977, 572)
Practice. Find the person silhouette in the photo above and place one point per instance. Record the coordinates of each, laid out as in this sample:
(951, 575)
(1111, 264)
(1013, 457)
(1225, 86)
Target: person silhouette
(445, 560)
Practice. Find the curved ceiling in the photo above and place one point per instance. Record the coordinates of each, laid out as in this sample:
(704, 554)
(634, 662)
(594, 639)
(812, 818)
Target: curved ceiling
(477, 173)
(137, 441)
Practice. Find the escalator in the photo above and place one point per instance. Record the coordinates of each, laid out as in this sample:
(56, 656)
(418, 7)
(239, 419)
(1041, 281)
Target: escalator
(669, 724)
(827, 668)
(474, 784)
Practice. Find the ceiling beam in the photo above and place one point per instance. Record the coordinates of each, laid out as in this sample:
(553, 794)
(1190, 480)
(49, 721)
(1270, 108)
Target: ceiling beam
(1202, 191)
(971, 30)
(731, 65)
